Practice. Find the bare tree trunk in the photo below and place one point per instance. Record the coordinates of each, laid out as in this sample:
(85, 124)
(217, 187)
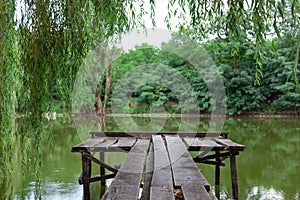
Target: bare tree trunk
(101, 124)
(98, 104)
(108, 79)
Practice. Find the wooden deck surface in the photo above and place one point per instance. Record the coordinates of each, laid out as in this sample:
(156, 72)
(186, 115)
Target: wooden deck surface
(159, 164)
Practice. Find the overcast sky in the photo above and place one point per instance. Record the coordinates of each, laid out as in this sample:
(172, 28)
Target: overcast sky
(155, 35)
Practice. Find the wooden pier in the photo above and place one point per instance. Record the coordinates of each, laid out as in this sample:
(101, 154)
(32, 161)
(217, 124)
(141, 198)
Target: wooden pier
(159, 164)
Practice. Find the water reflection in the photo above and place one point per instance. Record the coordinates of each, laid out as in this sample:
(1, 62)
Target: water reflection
(36, 168)
(267, 169)
(272, 157)
(265, 194)
(51, 191)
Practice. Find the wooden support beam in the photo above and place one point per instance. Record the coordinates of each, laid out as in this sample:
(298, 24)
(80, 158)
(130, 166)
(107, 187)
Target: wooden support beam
(234, 178)
(217, 175)
(213, 156)
(86, 175)
(211, 162)
(100, 178)
(95, 160)
(102, 169)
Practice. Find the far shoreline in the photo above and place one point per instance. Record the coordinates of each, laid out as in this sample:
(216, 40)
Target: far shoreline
(262, 115)
(279, 115)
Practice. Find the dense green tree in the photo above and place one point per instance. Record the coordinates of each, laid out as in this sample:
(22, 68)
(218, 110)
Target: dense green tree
(282, 76)
(278, 88)
(277, 91)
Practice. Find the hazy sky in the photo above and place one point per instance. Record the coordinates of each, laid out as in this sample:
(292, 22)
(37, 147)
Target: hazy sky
(155, 35)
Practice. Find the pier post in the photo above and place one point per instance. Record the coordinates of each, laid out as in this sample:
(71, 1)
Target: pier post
(234, 178)
(86, 175)
(217, 175)
(102, 169)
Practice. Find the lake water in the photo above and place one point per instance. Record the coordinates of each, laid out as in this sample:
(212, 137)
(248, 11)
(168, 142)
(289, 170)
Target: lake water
(268, 169)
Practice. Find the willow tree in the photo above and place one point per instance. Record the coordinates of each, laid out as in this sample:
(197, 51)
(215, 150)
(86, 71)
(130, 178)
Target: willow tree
(9, 79)
(54, 36)
(40, 54)
(254, 19)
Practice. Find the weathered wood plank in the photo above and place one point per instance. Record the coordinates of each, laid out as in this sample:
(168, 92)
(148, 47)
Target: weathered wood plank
(185, 172)
(108, 142)
(183, 167)
(162, 183)
(149, 134)
(162, 175)
(130, 174)
(230, 144)
(197, 143)
(194, 192)
(87, 145)
(124, 142)
(121, 192)
(105, 145)
(161, 193)
(148, 175)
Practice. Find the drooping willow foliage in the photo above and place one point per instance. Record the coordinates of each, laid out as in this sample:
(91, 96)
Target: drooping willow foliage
(42, 49)
(40, 55)
(9, 79)
(253, 19)
(54, 38)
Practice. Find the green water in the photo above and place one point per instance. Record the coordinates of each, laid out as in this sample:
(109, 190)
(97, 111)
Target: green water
(267, 169)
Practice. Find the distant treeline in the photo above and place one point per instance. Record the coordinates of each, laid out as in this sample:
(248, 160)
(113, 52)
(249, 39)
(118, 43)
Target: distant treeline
(278, 89)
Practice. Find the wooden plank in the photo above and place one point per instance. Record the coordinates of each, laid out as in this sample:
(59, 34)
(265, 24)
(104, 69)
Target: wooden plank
(197, 143)
(195, 192)
(124, 134)
(183, 167)
(120, 192)
(124, 142)
(105, 145)
(185, 172)
(162, 175)
(148, 175)
(88, 144)
(162, 183)
(130, 173)
(149, 134)
(229, 144)
(161, 193)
